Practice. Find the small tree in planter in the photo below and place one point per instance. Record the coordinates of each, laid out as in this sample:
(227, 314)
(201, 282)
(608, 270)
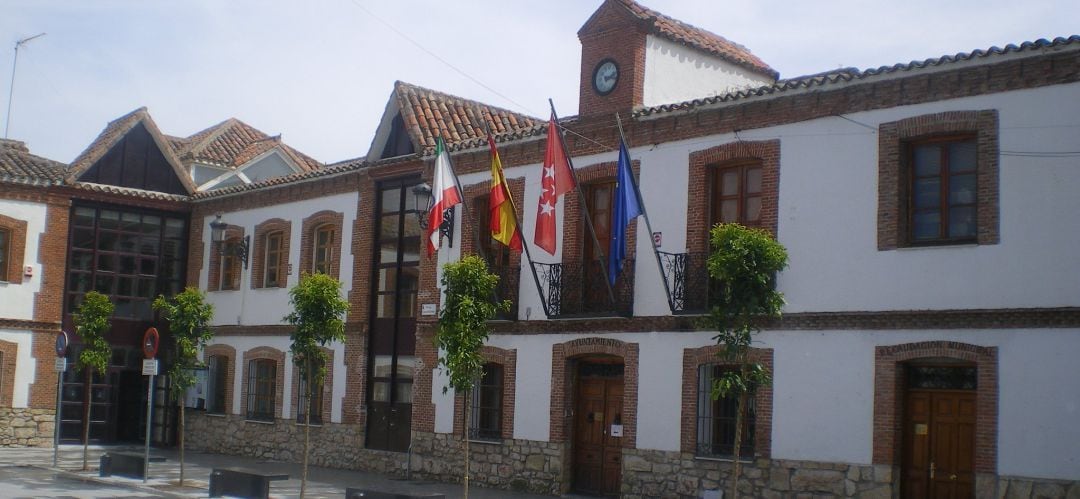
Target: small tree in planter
(744, 262)
(463, 328)
(189, 324)
(318, 317)
(92, 320)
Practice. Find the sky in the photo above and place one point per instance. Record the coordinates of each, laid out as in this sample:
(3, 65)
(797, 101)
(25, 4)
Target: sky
(320, 72)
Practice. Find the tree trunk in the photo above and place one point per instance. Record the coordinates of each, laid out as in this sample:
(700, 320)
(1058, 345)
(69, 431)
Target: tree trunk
(87, 402)
(737, 468)
(465, 424)
(307, 427)
(181, 442)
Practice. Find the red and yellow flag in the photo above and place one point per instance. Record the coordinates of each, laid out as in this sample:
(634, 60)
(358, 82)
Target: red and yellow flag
(504, 226)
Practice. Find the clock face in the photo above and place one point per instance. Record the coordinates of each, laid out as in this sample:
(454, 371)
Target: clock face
(605, 76)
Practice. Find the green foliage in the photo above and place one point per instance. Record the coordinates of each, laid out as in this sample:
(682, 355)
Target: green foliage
(92, 319)
(744, 261)
(189, 323)
(319, 318)
(463, 322)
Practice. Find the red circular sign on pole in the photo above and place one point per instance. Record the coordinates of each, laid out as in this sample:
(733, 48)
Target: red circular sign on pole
(150, 342)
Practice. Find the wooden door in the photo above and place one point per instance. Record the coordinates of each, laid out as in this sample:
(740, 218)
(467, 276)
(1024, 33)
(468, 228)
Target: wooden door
(600, 197)
(597, 453)
(939, 444)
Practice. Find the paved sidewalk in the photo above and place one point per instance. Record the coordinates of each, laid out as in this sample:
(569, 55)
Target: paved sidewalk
(322, 482)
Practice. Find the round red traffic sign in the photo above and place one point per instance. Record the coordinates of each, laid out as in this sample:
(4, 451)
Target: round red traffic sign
(150, 342)
(61, 343)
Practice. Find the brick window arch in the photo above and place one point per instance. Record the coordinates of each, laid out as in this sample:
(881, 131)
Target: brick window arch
(320, 243)
(224, 267)
(562, 356)
(270, 256)
(765, 153)
(693, 360)
(12, 247)
(501, 260)
(227, 363)
(507, 361)
(889, 368)
(277, 357)
(325, 392)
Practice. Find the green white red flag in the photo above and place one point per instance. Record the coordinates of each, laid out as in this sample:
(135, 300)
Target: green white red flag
(446, 193)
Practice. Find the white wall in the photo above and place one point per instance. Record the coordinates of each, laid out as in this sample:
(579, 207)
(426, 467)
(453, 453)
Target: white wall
(248, 306)
(25, 365)
(676, 73)
(823, 392)
(17, 300)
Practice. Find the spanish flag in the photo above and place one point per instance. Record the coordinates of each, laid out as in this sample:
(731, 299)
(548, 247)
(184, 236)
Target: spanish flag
(504, 227)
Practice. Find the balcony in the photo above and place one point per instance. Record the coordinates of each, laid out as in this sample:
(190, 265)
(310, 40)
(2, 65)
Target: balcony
(687, 276)
(507, 289)
(575, 289)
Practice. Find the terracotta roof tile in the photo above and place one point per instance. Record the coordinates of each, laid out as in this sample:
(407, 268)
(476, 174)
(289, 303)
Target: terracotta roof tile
(686, 34)
(428, 114)
(18, 165)
(129, 191)
(232, 143)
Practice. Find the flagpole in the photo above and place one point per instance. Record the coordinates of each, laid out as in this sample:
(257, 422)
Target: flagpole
(521, 234)
(585, 212)
(645, 213)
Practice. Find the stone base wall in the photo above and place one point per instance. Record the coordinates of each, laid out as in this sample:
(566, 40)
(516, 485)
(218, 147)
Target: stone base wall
(332, 445)
(1037, 488)
(21, 427)
(519, 465)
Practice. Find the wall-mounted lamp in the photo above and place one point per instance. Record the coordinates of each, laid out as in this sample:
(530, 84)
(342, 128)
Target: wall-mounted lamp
(217, 236)
(423, 202)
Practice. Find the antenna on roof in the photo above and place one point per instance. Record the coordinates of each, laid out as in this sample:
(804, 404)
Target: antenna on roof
(11, 90)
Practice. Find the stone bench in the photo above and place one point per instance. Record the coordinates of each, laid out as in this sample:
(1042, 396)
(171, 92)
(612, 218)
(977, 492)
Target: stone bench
(358, 493)
(129, 464)
(242, 482)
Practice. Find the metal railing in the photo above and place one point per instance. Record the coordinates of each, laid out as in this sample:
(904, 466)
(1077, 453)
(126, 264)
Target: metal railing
(687, 275)
(507, 289)
(574, 289)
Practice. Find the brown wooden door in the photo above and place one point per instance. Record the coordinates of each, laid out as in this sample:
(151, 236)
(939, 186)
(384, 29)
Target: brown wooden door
(598, 454)
(939, 444)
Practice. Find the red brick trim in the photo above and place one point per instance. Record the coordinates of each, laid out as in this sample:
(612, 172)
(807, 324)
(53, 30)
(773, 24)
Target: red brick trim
(427, 358)
(256, 330)
(234, 234)
(9, 352)
(562, 376)
(694, 358)
(574, 230)
(698, 194)
(229, 353)
(327, 388)
(43, 389)
(307, 240)
(508, 360)
(894, 172)
(52, 253)
(258, 256)
(277, 356)
(16, 230)
(889, 391)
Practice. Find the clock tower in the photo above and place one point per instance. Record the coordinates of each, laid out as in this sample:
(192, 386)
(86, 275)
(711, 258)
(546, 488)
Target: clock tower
(633, 57)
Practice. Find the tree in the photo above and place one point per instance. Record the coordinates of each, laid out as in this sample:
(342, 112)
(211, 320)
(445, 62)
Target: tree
(463, 328)
(744, 262)
(92, 320)
(318, 317)
(189, 324)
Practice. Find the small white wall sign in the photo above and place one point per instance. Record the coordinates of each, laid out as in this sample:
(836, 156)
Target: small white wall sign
(428, 309)
(616, 430)
(61, 364)
(149, 367)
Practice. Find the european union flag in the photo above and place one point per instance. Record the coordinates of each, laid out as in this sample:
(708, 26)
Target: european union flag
(627, 208)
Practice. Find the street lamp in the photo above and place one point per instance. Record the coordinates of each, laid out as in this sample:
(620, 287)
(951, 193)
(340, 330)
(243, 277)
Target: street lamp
(237, 249)
(423, 201)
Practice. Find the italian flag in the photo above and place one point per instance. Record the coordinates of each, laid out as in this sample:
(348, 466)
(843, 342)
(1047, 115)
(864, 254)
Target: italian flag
(446, 192)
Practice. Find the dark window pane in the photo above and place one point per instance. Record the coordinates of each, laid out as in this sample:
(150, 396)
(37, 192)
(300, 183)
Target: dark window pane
(148, 245)
(83, 238)
(962, 222)
(962, 156)
(753, 180)
(753, 209)
(103, 284)
(389, 228)
(79, 282)
(130, 222)
(729, 183)
(151, 225)
(391, 201)
(127, 264)
(174, 228)
(148, 266)
(109, 220)
(106, 241)
(927, 160)
(962, 189)
(84, 217)
(81, 260)
(927, 225)
(927, 192)
(106, 263)
(125, 286)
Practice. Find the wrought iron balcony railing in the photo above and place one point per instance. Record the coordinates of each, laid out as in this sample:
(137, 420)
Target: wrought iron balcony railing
(574, 289)
(687, 275)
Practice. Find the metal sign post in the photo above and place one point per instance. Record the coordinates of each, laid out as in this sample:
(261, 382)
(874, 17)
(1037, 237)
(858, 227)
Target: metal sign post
(61, 366)
(150, 368)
